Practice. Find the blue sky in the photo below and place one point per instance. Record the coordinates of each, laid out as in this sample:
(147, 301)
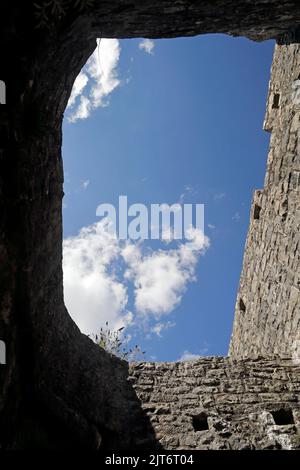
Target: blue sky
(164, 121)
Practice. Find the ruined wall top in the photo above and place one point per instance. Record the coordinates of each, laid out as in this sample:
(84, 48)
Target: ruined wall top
(267, 315)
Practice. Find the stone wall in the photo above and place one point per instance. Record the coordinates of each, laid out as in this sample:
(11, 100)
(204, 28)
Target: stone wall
(59, 389)
(267, 315)
(219, 403)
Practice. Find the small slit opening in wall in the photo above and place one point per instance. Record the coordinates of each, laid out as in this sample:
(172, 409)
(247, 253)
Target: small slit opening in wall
(242, 305)
(283, 417)
(200, 422)
(256, 212)
(276, 99)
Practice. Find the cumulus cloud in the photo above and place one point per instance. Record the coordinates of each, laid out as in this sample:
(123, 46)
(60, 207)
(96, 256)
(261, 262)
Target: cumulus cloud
(160, 278)
(99, 270)
(82, 110)
(78, 87)
(147, 45)
(101, 74)
(92, 292)
(102, 67)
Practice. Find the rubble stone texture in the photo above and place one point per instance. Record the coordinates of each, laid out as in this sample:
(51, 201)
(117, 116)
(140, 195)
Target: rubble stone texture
(267, 315)
(220, 403)
(58, 389)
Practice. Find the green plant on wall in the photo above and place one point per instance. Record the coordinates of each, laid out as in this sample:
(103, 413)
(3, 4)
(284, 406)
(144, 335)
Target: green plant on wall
(113, 342)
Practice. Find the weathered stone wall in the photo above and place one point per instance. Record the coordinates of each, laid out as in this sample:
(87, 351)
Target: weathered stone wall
(58, 389)
(219, 403)
(267, 316)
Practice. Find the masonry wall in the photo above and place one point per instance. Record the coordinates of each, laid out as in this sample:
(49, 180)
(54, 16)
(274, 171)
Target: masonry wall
(267, 314)
(219, 403)
(58, 389)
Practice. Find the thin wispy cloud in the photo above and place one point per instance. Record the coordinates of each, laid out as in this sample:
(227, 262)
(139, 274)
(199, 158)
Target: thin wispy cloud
(160, 327)
(147, 45)
(236, 217)
(219, 196)
(96, 82)
(188, 356)
(188, 191)
(85, 184)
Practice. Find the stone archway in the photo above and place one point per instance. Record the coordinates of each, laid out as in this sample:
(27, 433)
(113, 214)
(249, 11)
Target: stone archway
(52, 369)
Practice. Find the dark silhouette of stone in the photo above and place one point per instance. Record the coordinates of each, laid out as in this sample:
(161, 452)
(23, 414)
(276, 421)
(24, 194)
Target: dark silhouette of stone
(58, 389)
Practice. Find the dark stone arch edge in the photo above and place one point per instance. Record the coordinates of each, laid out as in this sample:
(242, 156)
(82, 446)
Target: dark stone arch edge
(51, 367)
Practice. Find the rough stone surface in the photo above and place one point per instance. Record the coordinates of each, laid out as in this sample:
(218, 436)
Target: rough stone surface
(231, 402)
(58, 389)
(267, 316)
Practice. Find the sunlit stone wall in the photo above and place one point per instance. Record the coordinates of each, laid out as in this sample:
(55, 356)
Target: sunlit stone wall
(267, 315)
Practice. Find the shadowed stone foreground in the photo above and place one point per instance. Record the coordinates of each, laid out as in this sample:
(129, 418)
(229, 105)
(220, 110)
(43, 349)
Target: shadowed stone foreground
(58, 389)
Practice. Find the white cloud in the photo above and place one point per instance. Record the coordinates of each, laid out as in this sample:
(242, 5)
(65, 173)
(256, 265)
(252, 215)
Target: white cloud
(82, 111)
(219, 196)
(147, 45)
(85, 184)
(100, 73)
(78, 87)
(161, 277)
(93, 294)
(187, 192)
(158, 328)
(188, 356)
(102, 67)
(236, 217)
(211, 226)
(96, 285)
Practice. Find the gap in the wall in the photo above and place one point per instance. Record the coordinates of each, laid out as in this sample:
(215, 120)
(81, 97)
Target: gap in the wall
(171, 121)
